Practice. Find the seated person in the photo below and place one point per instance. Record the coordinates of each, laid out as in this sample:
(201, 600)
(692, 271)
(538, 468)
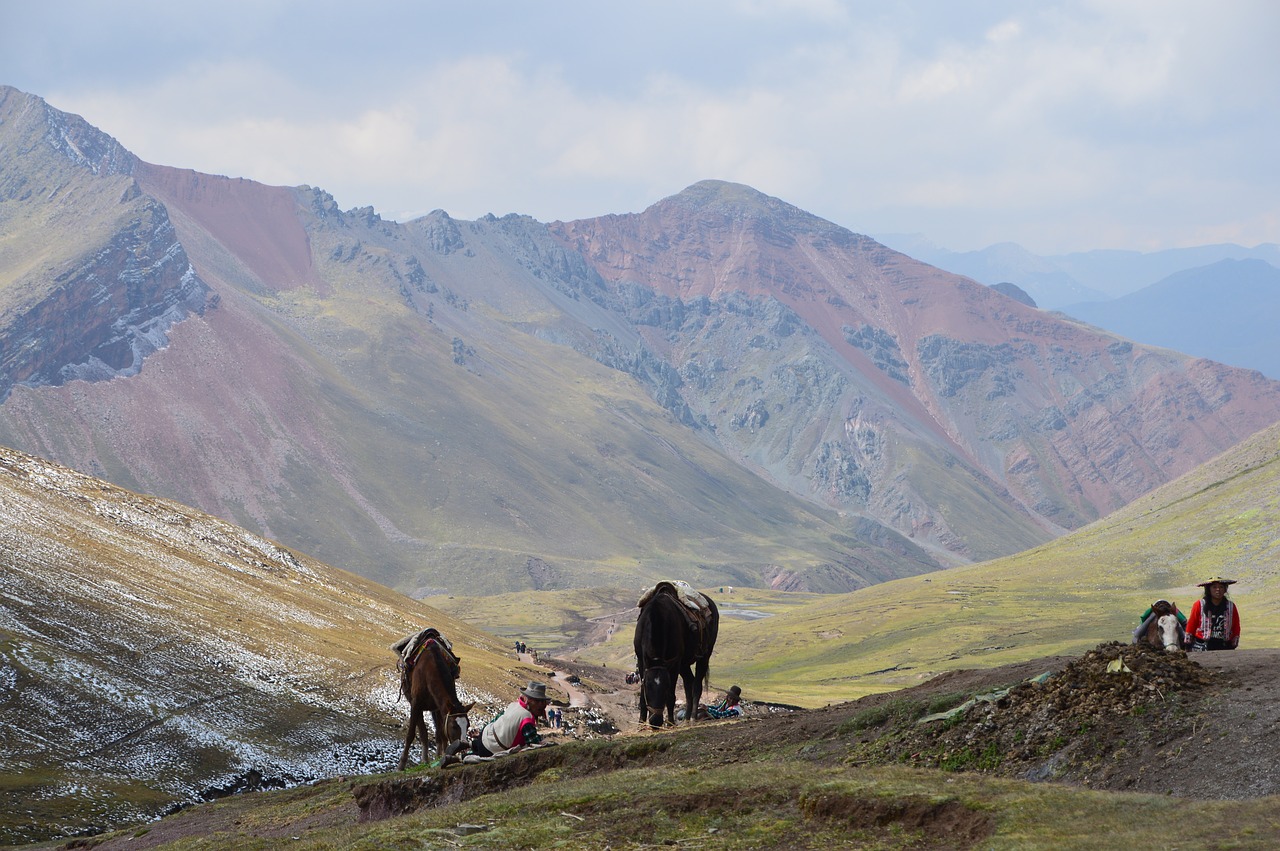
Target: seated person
(1215, 621)
(517, 727)
(730, 706)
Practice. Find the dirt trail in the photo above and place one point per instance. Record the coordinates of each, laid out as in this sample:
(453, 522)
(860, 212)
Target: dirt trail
(574, 694)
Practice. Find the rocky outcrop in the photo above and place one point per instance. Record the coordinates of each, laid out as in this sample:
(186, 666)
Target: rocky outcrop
(107, 314)
(1055, 422)
(114, 279)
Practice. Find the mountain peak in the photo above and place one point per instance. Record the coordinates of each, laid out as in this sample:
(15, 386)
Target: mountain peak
(73, 138)
(736, 202)
(718, 193)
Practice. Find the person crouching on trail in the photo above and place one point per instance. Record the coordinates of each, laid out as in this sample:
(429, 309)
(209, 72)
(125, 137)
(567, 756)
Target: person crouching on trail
(516, 727)
(1214, 622)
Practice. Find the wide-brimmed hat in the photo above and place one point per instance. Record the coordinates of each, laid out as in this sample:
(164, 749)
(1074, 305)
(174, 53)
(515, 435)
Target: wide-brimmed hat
(734, 691)
(1216, 580)
(536, 691)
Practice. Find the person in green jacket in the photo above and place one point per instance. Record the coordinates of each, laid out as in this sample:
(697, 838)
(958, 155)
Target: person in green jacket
(1154, 612)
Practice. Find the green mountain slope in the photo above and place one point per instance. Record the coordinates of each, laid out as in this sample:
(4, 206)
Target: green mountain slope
(1060, 598)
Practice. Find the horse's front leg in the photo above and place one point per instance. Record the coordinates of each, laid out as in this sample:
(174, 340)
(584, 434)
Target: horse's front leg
(644, 715)
(700, 672)
(408, 741)
(426, 742)
(691, 694)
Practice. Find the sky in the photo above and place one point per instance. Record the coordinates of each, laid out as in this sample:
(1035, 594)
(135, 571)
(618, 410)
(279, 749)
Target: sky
(1061, 126)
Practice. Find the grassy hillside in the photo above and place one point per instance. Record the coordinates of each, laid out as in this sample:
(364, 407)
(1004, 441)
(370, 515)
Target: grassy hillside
(791, 782)
(1060, 598)
(151, 655)
(775, 784)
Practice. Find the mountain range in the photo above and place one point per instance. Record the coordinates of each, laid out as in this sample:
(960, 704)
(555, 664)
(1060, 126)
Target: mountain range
(1226, 311)
(1214, 301)
(1057, 281)
(721, 387)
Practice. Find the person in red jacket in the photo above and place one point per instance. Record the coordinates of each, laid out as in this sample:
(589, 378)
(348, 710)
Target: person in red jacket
(1214, 622)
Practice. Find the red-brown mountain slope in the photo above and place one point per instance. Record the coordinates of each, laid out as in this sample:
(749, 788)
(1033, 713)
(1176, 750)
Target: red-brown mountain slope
(1073, 421)
(722, 387)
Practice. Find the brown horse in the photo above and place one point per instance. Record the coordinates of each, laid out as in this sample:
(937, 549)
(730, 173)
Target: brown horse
(429, 680)
(672, 640)
(1162, 628)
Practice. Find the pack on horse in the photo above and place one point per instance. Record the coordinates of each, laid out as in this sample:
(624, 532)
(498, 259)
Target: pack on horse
(1162, 628)
(428, 679)
(675, 634)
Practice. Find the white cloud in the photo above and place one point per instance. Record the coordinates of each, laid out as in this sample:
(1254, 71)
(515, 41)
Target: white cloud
(1060, 125)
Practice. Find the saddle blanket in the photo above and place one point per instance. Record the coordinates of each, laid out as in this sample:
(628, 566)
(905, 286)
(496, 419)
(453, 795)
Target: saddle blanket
(407, 646)
(692, 599)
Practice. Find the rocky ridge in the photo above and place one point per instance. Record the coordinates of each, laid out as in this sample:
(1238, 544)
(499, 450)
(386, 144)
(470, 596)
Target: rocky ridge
(85, 309)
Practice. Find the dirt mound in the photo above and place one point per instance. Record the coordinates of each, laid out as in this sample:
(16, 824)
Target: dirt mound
(1105, 720)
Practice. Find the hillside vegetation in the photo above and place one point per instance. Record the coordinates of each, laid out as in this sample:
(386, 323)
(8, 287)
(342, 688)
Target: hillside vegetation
(151, 656)
(1060, 598)
(834, 777)
(842, 775)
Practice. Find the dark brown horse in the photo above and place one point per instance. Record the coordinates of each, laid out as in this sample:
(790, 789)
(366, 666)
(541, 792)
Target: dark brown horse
(429, 680)
(673, 640)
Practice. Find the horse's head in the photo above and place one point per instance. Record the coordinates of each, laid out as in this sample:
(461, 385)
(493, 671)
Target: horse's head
(1169, 630)
(659, 691)
(456, 725)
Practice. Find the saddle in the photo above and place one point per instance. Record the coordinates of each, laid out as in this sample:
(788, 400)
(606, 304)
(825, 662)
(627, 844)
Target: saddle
(689, 597)
(409, 648)
(695, 605)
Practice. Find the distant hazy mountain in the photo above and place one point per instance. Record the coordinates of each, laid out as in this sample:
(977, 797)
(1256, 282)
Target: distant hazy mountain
(1047, 283)
(1056, 281)
(1119, 273)
(723, 387)
(1228, 311)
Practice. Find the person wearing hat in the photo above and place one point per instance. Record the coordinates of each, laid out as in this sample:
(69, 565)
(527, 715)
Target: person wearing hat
(516, 727)
(730, 706)
(1214, 622)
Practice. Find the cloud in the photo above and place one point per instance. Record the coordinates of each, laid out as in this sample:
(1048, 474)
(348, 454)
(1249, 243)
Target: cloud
(1060, 125)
